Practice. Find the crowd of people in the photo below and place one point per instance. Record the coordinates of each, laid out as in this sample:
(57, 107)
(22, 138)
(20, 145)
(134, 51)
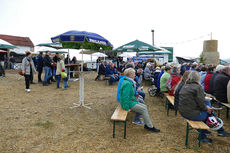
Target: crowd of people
(188, 83)
(54, 69)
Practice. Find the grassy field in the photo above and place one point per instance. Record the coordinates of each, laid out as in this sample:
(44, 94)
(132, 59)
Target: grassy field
(42, 121)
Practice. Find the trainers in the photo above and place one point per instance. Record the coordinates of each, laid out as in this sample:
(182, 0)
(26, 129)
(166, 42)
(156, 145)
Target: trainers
(153, 129)
(223, 134)
(27, 90)
(206, 140)
(138, 122)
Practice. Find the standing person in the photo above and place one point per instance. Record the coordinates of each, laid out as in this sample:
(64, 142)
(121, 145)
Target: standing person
(54, 66)
(60, 66)
(35, 65)
(74, 60)
(12, 61)
(39, 60)
(27, 69)
(67, 60)
(48, 71)
(2, 71)
(129, 102)
(5, 62)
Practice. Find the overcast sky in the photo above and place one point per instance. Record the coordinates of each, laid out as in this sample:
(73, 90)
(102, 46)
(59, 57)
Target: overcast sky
(120, 21)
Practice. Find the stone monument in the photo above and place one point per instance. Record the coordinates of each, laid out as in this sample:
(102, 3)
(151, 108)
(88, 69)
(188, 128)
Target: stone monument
(210, 52)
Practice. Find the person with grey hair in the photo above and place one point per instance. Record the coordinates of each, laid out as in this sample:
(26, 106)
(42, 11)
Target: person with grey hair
(220, 85)
(129, 102)
(27, 69)
(218, 70)
(193, 106)
(147, 72)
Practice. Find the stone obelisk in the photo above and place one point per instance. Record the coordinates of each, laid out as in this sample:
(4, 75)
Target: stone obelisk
(210, 52)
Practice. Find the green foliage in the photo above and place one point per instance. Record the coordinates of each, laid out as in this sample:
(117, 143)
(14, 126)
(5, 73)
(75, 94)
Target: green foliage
(45, 125)
(202, 59)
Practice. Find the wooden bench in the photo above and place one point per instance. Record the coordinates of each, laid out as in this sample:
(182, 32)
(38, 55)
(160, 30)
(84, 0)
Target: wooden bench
(227, 105)
(198, 125)
(169, 100)
(119, 115)
(106, 80)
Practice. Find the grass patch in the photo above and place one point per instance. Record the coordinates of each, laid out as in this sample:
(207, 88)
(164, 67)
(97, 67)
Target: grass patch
(45, 125)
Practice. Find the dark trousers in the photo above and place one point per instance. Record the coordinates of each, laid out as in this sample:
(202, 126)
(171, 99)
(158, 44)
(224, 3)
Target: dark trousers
(27, 81)
(31, 77)
(39, 74)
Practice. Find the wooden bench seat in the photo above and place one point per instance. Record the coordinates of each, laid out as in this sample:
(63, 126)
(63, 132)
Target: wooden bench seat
(119, 115)
(169, 100)
(227, 105)
(198, 125)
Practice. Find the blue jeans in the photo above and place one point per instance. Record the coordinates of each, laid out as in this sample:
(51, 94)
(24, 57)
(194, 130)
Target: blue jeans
(142, 93)
(58, 79)
(65, 80)
(48, 73)
(11, 65)
(113, 78)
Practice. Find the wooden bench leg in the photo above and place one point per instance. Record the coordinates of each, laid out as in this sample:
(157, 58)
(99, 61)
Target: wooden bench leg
(167, 107)
(227, 113)
(199, 137)
(125, 130)
(187, 135)
(114, 122)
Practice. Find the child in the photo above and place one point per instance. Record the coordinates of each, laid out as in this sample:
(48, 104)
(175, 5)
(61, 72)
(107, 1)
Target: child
(64, 78)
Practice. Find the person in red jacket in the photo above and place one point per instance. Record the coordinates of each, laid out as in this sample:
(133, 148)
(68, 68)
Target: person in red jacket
(173, 80)
(207, 79)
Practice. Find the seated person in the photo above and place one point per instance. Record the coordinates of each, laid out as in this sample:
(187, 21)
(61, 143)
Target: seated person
(112, 73)
(178, 89)
(173, 80)
(138, 79)
(147, 72)
(129, 102)
(218, 70)
(207, 79)
(164, 79)
(159, 78)
(192, 105)
(220, 85)
(101, 71)
(156, 74)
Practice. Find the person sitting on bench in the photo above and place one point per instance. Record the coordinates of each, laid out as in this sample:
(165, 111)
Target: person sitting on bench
(129, 102)
(112, 73)
(192, 104)
(101, 71)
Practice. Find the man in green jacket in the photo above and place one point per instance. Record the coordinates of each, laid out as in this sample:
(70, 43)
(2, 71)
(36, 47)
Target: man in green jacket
(129, 102)
(164, 79)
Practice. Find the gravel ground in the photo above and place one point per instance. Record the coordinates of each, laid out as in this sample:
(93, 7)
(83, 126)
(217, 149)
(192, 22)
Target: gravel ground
(42, 121)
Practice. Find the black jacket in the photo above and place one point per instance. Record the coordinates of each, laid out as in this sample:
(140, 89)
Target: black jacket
(47, 61)
(191, 100)
(220, 87)
(211, 82)
(176, 95)
(102, 69)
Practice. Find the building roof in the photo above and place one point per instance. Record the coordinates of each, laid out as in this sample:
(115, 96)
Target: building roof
(17, 41)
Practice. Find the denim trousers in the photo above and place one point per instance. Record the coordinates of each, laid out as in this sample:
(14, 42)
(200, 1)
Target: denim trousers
(58, 79)
(65, 80)
(48, 73)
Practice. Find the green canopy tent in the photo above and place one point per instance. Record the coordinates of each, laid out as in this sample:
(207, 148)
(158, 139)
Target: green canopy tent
(55, 51)
(136, 46)
(52, 45)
